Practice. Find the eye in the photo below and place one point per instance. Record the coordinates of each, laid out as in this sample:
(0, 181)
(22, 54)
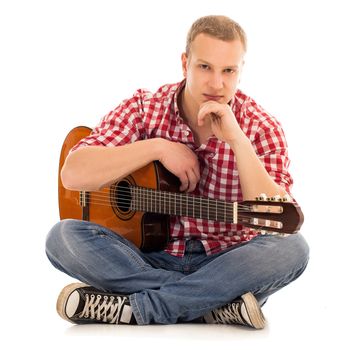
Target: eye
(204, 66)
(230, 70)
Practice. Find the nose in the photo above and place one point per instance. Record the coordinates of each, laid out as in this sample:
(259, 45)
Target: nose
(216, 81)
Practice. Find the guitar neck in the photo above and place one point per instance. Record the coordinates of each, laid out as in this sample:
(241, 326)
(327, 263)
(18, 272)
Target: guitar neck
(182, 204)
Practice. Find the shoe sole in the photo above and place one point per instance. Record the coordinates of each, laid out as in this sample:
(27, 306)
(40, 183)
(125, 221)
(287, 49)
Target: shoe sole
(63, 298)
(254, 311)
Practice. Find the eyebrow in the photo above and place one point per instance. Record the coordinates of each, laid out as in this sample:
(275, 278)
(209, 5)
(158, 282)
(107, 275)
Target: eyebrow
(209, 64)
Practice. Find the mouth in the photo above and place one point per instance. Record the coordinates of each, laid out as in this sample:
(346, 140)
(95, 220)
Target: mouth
(212, 97)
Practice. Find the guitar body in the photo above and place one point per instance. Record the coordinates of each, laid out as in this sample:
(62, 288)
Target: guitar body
(148, 231)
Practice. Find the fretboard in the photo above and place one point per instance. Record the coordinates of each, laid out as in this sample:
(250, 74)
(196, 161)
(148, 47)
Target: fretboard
(182, 204)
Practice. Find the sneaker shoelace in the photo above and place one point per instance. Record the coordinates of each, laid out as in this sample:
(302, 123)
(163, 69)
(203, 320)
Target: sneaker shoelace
(107, 310)
(229, 314)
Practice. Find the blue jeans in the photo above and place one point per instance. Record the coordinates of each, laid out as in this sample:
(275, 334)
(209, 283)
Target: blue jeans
(166, 289)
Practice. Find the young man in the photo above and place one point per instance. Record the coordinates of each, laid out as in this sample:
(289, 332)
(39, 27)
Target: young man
(220, 144)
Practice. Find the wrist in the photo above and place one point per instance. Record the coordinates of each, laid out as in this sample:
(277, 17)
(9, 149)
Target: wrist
(240, 139)
(157, 146)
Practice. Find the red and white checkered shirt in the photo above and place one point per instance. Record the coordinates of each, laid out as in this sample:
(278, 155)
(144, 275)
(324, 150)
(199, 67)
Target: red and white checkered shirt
(148, 115)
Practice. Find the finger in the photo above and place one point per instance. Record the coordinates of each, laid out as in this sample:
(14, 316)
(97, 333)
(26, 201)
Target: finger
(196, 171)
(200, 119)
(204, 112)
(193, 180)
(184, 182)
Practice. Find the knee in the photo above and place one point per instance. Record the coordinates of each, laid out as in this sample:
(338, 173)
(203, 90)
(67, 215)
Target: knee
(300, 247)
(59, 238)
(296, 251)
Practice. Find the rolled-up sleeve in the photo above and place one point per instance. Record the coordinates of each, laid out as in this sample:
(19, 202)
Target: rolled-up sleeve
(271, 148)
(121, 126)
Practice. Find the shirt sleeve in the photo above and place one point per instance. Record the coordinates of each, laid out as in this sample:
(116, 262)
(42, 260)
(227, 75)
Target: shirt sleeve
(268, 139)
(121, 126)
(271, 147)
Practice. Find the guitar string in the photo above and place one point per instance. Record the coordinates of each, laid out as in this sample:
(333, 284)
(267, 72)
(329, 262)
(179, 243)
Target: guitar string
(242, 219)
(158, 193)
(201, 205)
(204, 211)
(160, 207)
(159, 196)
(221, 217)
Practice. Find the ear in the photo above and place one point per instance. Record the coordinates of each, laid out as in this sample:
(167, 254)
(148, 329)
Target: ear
(184, 60)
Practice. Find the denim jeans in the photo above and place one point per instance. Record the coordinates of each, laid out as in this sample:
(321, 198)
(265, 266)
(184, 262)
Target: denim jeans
(165, 289)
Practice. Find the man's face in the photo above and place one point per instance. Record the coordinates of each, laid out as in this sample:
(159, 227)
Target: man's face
(212, 70)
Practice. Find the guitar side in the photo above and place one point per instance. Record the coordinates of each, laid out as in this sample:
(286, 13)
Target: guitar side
(146, 230)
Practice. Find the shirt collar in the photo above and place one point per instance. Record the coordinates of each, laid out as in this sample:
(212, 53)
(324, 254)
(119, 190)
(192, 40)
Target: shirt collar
(176, 97)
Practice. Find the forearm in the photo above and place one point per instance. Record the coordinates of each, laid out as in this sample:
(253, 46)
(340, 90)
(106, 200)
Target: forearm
(254, 178)
(94, 167)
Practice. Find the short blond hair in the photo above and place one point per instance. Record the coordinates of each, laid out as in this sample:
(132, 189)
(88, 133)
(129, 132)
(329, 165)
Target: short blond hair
(220, 27)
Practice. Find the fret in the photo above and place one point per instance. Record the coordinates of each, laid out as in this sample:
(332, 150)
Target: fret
(195, 208)
(147, 200)
(216, 209)
(224, 212)
(208, 206)
(165, 211)
(155, 197)
(177, 204)
(176, 211)
(153, 202)
(181, 205)
(169, 202)
(138, 198)
(143, 200)
(187, 205)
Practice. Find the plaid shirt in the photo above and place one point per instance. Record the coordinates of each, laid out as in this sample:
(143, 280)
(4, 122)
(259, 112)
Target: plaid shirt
(148, 115)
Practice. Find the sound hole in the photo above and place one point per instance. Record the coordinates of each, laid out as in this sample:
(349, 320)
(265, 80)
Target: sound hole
(121, 199)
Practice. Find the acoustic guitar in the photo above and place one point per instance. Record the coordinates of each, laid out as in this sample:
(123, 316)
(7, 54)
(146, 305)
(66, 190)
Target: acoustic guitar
(139, 206)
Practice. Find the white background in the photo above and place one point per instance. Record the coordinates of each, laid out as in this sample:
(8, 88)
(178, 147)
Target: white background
(68, 63)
